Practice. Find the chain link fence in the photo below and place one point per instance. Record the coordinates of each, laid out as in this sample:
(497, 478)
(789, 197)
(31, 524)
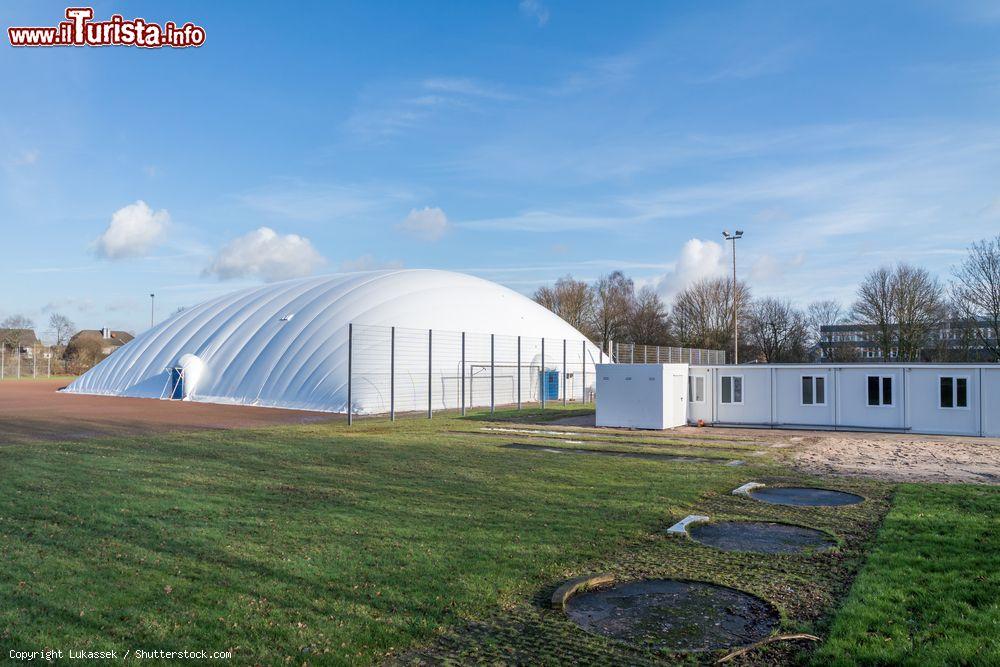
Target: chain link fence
(37, 361)
(393, 370)
(396, 370)
(630, 353)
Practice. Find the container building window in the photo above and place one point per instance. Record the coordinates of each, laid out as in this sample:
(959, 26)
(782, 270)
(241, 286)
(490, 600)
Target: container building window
(954, 392)
(879, 390)
(813, 390)
(732, 388)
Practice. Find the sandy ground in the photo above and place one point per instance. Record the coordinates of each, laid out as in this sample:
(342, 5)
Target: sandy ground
(901, 457)
(35, 410)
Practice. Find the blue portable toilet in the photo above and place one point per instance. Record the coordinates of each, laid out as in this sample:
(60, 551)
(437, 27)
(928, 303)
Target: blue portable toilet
(176, 384)
(550, 384)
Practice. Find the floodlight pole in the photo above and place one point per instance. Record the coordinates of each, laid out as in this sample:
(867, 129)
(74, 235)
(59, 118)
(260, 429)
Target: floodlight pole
(392, 374)
(518, 372)
(350, 360)
(543, 382)
(736, 322)
(565, 376)
(152, 309)
(430, 373)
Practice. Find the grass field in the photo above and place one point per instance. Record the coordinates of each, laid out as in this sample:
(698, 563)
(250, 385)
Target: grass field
(325, 544)
(930, 592)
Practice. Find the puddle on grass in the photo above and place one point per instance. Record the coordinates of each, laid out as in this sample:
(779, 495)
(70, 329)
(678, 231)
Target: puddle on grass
(760, 537)
(804, 496)
(609, 452)
(674, 615)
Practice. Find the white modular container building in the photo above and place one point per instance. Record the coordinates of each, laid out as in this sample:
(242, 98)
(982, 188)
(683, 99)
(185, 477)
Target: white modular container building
(649, 396)
(955, 399)
(422, 339)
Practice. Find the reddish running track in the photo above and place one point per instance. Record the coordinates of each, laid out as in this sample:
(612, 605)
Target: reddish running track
(36, 410)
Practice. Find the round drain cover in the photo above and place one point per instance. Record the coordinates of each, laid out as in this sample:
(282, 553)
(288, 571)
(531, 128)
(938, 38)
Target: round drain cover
(791, 495)
(760, 537)
(674, 615)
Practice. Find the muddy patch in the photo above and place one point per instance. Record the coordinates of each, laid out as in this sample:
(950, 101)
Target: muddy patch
(609, 452)
(760, 537)
(674, 615)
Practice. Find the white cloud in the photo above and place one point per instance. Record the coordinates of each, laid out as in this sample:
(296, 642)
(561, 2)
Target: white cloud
(27, 157)
(133, 231)
(466, 87)
(367, 262)
(536, 10)
(765, 269)
(387, 110)
(699, 259)
(314, 203)
(263, 253)
(426, 223)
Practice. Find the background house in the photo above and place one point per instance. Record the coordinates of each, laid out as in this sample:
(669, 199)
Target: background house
(90, 346)
(23, 340)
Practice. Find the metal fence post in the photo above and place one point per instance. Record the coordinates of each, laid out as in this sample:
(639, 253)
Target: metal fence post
(430, 373)
(565, 377)
(350, 361)
(543, 379)
(518, 372)
(492, 375)
(392, 374)
(631, 353)
(463, 373)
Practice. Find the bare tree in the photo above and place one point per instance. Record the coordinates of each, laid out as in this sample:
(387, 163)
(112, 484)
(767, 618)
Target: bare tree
(828, 313)
(12, 327)
(614, 296)
(572, 300)
(61, 328)
(777, 331)
(648, 322)
(874, 307)
(702, 313)
(903, 305)
(918, 306)
(976, 293)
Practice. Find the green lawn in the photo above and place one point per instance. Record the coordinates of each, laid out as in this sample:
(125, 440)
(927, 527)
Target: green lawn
(329, 544)
(930, 592)
(301, 540)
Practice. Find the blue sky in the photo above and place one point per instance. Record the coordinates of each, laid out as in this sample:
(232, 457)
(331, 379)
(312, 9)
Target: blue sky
(518, 141)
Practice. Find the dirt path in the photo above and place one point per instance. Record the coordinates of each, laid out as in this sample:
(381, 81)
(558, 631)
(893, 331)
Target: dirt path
(903, 458)
(35, 410)
(895, 457)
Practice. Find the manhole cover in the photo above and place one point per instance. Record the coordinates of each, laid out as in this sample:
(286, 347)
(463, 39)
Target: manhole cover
(790, 495)
(674, 615)
(761, 537)
(611, 452)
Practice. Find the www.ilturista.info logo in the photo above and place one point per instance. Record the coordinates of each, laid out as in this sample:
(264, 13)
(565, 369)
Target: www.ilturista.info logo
(80, 30)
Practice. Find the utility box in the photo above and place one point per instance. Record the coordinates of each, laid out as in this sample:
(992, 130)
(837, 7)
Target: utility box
(651, 396)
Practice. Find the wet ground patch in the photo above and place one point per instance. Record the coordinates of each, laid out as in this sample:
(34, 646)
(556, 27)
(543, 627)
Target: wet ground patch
(804, 496)
(674, 615)
(761, 537)
(675, 458)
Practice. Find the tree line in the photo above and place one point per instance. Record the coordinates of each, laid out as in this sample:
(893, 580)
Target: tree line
(901, 308)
